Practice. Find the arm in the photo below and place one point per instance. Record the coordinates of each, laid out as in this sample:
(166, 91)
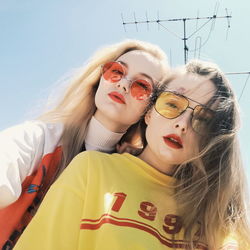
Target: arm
(57, 222)
(21, 149)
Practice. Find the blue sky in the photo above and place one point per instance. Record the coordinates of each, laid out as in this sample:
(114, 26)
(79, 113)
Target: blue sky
(43, 40)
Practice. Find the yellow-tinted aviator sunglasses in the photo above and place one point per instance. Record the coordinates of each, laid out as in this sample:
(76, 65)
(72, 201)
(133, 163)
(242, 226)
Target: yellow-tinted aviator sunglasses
(171, 105)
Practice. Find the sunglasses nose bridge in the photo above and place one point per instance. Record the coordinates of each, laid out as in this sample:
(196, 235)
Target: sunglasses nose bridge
(183, 121)
(124, 83)
(192, 112)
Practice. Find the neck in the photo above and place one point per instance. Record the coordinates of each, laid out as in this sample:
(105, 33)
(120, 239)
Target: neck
(100, 138)
(113, 126)
(156, 162)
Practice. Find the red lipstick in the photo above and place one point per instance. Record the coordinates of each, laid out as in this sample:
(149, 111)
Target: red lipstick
(117, 97)
(173, 141)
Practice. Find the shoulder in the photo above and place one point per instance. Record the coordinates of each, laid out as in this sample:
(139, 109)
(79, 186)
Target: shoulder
(32, 133)
(96, 160)
(34, 127)
(100, 156)
(92, 156)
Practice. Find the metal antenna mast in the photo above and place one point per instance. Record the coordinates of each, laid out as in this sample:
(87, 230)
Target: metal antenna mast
(184, 20)
(241, 73)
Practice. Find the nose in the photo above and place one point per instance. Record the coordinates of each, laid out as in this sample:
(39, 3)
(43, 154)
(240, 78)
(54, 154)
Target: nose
(183, 121)
(123, 84)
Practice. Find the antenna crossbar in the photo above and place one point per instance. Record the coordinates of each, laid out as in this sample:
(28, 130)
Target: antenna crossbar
(184, 20)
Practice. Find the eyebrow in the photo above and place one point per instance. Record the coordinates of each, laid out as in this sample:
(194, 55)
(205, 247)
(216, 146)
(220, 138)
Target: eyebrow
(140, 73)
(175, 92)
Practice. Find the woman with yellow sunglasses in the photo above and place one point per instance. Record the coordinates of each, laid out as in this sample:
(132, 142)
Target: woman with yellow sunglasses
(186, 190)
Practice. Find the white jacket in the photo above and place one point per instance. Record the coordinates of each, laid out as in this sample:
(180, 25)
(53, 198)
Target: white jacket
(22, 148)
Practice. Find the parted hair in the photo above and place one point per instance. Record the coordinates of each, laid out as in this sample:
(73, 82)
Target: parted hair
(77, 105)
(211, 189)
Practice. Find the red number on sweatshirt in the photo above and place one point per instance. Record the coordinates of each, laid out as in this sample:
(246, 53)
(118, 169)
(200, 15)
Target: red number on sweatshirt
(119, 201)
(172, 224)
(148, 210)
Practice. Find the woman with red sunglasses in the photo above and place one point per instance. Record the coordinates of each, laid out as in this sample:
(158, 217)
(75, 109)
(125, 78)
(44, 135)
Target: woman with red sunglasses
(99, 106)
(186, 190)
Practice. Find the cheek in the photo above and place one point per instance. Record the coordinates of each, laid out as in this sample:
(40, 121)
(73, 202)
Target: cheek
(98, 97)
(100, 94)
(153, 132)
(136, 107)
(149, 137)
(105, 85)
(157, 123)
(101, 86)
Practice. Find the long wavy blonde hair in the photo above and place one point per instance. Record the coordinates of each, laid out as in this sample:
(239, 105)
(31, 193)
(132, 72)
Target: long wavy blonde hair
(77, 105)
(211, 189)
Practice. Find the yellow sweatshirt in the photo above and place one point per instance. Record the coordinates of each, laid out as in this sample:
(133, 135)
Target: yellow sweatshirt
(107, 202)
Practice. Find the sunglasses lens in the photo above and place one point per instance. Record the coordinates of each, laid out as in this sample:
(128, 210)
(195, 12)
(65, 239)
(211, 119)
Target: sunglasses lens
(141, 89)
(113, 72)
(170, 105)
(201, 119)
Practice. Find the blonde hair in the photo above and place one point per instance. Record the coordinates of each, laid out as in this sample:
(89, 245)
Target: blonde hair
(211, 190)
(77, 106)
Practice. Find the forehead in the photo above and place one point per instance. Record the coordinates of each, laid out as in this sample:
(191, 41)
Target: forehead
(195, 87)
(138, 61)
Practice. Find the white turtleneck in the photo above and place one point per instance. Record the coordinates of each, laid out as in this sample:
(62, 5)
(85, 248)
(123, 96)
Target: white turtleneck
(100, 138)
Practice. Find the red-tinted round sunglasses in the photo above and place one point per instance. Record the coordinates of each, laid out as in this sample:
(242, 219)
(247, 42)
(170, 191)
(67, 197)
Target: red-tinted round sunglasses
(113, 72)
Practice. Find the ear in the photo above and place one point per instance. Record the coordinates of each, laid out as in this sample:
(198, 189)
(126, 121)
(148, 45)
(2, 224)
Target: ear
(148, 116)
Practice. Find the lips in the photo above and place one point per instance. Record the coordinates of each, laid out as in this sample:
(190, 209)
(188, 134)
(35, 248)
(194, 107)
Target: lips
(117, 97)
(173, 141)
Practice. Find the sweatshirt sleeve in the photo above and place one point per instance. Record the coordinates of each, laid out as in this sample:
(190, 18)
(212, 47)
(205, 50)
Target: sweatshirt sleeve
(56, 225)
(21, 149)
(230, 242)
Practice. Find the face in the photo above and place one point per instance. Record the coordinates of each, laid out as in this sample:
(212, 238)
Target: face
(117, 102)
(174, 141)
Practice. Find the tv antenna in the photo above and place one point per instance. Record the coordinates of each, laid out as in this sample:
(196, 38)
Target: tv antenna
(184, 20)
(245, 84)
